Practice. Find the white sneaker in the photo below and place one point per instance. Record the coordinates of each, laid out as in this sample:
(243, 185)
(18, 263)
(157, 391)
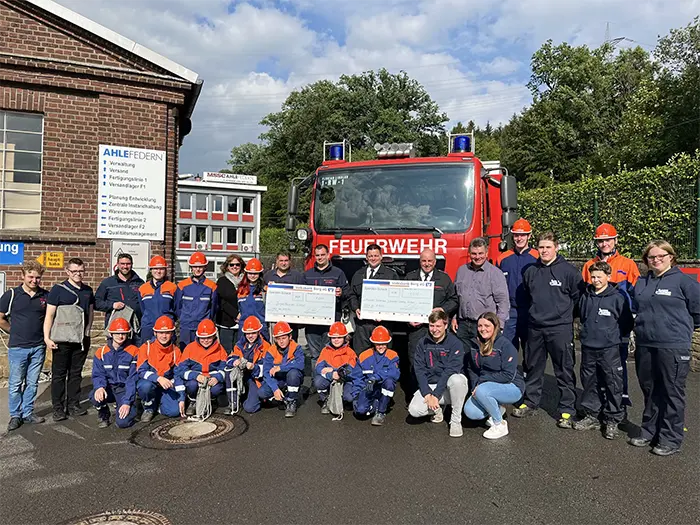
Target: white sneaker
(437, 416)
(497, 431)
(489, 421)
(456, 430)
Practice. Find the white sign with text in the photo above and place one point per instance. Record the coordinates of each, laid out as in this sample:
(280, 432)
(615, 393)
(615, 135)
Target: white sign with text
(407, 301)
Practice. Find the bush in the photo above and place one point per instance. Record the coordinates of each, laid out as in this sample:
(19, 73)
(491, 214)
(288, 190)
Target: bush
(273, 240)
(651, 203)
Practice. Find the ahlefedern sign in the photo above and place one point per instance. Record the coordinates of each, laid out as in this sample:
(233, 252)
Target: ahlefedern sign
(233, 178)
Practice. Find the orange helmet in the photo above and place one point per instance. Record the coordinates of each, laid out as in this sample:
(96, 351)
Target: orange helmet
(281, 328)
(119, 326)
(164, 324)
(521, 226)
(206, 328)
(198, 259)
(157, 262)
(380, 336)
(337, 330)
(254, 266)
(251, 325)
(605, 231)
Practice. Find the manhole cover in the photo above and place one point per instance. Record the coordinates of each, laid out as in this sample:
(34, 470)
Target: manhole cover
(176, 433)
(121, 517)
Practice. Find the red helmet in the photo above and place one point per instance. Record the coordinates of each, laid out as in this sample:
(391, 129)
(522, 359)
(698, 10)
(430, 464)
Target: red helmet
(380, 336)
(164, 324)
(251, 325)
(281, 328)
(198, 259)
(254, 266)
(605, 231)
(337, 330)
(119, 326)
(157, 262)
(521, 226)
(206, 328)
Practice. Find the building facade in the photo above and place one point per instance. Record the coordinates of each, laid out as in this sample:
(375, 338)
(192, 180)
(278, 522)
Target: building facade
(218, 214)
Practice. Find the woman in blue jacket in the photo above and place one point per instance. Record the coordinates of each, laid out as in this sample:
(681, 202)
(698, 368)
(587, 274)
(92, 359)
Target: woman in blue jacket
(667, 303)
(492, 368)
(251, 296)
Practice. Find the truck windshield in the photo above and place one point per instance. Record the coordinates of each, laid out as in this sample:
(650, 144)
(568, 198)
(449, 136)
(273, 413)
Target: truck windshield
(422, 197)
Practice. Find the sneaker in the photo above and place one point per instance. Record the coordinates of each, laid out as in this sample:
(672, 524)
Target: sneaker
(489, 421)
(565, 421)
(33, 419)
(524, 411)
(378, 419)
(611, 431)
(497, 431)
(437, 416)
(626, 401)
(191, 408)
(456, 430)
(14, 424)
(639, 442)
(147, 416)
(76, 410)
(103, 423)
(324, 408)
(587, 423)
(664, 450)
(290, 409)
(59, 415)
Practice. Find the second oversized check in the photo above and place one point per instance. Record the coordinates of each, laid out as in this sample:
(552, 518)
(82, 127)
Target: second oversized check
(300, 303)
(407, 301)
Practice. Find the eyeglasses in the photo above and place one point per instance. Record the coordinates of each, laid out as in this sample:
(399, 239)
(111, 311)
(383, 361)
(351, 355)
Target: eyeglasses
(75, 271)
(234, 264)
(657, 257)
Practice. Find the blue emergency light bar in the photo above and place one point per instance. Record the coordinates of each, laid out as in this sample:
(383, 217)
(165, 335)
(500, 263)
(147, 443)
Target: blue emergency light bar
(336, 152)
(462, 144)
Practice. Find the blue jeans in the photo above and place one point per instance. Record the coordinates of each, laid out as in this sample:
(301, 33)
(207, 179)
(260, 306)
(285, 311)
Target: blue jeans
(488, 396)
(25, 367)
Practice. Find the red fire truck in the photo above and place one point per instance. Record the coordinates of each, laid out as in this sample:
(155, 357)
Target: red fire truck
(405, 204)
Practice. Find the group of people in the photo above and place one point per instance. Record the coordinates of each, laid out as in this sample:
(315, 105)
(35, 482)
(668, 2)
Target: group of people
(465, 357)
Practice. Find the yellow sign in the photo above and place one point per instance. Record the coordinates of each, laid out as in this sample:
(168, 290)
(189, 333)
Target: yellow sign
(51, 259)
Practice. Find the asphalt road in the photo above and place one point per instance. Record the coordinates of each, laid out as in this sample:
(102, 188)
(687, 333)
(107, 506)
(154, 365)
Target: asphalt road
(312, 470)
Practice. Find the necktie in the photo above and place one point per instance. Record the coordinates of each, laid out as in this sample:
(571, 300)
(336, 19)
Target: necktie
(372, 271)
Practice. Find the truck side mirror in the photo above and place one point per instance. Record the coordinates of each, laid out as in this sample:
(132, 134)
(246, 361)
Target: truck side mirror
(509, 195)
(292, 207)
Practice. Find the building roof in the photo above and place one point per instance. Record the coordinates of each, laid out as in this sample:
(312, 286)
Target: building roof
(206, 185)
(116, 39)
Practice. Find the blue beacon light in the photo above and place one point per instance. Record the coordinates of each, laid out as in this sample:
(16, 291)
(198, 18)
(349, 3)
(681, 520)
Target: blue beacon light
(336, 152)
(462, 144)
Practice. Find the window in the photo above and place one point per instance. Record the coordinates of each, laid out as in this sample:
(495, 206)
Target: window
(233, 204)
(247, 236)
(201, 202)
(21, 152)
(186, 201)
(200, 234)
(185, 234)
(217, 203)
(216, 235)
(231, 236)
(247, 205)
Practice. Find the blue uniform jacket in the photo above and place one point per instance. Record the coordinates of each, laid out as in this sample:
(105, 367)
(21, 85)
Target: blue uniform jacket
(112, 367)
(253, 304)
(513, 266)
(500, 366)
(378, 367)
(434, 363)
(291, 358)
(605, 317)
(195, 300)
(330, 276)
(115, 290)
(254, 352)
(197, 360)
(157, 298)
(667, 308)
(553, 291)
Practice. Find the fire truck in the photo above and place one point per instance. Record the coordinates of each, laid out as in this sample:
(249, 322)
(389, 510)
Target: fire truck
(404, 204)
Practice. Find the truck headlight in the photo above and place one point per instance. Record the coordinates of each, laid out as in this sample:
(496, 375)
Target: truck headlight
(302, 234)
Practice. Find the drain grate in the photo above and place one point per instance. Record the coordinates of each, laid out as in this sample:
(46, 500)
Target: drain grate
(121, 517)
(177, 434)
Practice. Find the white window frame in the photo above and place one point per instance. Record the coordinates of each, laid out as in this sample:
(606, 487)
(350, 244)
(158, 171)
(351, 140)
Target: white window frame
(183, 229)
(206, 235)
(238, 237)
(3, 151)
(252, 205)
(252, 236)
(206, 202)
(214, 200)
(179, 201)
(220, 229)
(230, 199)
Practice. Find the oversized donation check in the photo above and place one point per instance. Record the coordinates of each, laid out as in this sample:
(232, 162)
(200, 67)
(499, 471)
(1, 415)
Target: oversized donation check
(300, 303)
(408, 301)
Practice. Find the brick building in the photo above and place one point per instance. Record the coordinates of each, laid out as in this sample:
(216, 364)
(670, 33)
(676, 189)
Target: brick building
(67, 86)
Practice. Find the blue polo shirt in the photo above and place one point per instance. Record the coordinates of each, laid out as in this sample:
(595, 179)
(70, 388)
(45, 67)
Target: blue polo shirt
(59, 296)
(26, 317)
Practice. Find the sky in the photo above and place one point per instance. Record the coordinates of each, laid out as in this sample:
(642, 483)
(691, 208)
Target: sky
(472, 56)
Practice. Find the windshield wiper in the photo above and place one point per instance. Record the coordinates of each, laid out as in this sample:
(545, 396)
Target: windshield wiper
(414, 228)
(357, 229)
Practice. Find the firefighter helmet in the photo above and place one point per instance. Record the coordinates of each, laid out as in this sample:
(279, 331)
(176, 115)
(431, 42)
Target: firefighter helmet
(254, 266)
(119, 326)
(206, 328)
(281, 328)
(338, 329)
(157, 261)
(164, 324)
(605, 231)
(521, 226)
(380, 336)
(251, 325)
(198, 259)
